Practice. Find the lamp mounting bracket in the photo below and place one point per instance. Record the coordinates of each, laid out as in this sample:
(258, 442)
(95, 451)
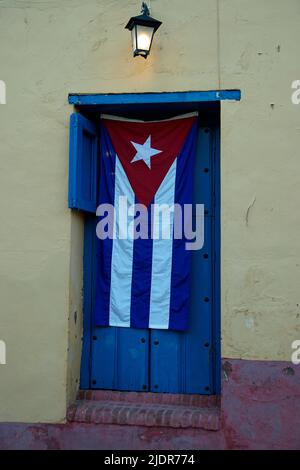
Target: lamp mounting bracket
(145, 9)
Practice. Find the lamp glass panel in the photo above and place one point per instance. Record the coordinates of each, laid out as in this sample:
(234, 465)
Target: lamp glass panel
(133, 38)
(144, 37)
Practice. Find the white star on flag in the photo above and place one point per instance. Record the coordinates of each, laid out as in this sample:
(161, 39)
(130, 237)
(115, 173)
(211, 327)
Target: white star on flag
(144, 152)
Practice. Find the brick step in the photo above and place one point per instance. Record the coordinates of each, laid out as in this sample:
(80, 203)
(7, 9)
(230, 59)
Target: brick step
(150, 410)
(205, 401)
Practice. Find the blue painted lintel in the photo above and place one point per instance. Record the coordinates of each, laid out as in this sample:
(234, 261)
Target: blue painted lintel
(144, 98)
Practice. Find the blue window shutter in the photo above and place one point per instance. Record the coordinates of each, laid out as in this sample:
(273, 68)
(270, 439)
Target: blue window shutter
(83, 164)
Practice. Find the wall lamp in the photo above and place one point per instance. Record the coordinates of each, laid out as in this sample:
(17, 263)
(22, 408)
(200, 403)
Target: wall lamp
(142, 29)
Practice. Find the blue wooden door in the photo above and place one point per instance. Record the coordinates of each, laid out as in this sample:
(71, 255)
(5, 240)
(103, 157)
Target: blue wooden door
(163, 360)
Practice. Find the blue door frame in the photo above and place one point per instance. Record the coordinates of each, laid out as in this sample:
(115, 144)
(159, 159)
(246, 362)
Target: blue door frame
(130, 105)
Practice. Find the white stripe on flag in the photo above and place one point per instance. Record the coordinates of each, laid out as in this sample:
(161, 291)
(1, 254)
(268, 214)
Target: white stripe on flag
(162, 255)
(122, 255)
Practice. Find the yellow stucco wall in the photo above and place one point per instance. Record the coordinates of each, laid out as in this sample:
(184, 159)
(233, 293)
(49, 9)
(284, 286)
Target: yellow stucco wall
(50, 48)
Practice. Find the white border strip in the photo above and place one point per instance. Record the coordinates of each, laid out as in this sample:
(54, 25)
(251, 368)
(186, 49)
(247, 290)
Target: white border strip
(119, 118)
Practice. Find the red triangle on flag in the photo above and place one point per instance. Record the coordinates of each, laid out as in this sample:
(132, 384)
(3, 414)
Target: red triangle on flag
(147, 150)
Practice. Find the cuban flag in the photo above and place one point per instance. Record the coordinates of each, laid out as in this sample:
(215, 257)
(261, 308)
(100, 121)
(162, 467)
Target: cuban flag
(144, 281)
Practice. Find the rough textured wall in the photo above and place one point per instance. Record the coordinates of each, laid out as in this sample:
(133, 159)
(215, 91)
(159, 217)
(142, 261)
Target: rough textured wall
(53, 47)
(260, 179)
(75, 305)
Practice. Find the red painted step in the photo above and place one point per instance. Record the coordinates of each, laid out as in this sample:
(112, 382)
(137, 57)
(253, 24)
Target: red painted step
(146, 409)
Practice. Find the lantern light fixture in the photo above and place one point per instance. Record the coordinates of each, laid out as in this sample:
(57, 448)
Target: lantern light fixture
(142, 29)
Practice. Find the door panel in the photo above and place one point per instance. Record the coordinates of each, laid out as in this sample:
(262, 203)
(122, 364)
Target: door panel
(181, 361)
(120, 358)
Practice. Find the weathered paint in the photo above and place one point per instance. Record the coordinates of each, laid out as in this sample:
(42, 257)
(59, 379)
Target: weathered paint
(74, 47)
(260, 404)
(260, 410)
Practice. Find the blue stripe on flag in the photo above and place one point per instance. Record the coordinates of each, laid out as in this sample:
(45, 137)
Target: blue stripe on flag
(141, 279)
(181, 267)
(104, 247)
